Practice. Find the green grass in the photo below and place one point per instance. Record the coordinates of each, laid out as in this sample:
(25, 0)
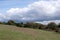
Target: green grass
(11, 35)
(15, 33)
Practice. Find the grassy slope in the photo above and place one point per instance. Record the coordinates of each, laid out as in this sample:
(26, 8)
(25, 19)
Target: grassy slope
(15, 33)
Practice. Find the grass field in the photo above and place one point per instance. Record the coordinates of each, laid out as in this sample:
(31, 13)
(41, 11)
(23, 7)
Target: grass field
(15, 33)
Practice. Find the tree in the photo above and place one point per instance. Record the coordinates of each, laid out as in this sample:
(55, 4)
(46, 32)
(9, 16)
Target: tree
(57, 28)
(0, 22)
(31, 25)
(58, 25)
(52, 25)
(20, 24)
(11, 22)
(41, 26)
(28, 25)
(34, 25)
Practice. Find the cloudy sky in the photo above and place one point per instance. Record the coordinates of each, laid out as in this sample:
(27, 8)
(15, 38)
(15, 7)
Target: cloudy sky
(30, 10)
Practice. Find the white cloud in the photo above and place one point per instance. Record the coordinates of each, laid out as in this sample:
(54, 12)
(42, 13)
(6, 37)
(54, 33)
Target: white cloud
(40, 10)
(2, 17)
(46, 22)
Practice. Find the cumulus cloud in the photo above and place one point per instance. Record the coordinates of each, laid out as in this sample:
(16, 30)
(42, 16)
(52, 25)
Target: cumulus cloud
(2, 17)
(42, 10)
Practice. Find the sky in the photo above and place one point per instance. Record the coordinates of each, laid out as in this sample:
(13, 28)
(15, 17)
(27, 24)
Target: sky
(43, 11)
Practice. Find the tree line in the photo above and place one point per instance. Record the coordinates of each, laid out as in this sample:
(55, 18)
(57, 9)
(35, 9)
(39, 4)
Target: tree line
(52, 26)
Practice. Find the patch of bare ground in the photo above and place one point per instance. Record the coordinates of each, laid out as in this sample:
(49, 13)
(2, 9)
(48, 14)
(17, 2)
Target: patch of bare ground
(27, 31)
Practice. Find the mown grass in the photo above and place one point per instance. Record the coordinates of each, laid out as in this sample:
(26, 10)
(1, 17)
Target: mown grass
(8, 32)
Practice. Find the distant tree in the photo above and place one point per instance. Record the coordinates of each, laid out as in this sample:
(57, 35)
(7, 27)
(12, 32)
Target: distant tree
(28, 25)
(57, 28)
(34, 25)
(58, 25)
(0, 22)
(3, 22)
(11, 22)
(42, 26)
(20, 24)
(31, 25)
(52, 25)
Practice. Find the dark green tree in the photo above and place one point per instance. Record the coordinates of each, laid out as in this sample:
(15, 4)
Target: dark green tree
(52, 25)
(1, 22)
(58, 25)
(11, 22)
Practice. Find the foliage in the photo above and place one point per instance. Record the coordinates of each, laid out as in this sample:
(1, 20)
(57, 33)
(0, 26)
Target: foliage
(11, 22)
(50, 26)
(59, 25)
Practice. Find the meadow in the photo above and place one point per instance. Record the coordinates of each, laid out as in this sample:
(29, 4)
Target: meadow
(9, 32)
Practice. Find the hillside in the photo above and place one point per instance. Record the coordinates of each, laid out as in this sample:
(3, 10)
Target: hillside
(8, 32)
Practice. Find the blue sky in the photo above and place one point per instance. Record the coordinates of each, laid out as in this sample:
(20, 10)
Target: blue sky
(6, 4)
(30, 10)
(15, 3)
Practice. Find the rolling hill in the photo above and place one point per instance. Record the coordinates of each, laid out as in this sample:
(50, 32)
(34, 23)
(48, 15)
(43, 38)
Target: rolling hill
(8, 32)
